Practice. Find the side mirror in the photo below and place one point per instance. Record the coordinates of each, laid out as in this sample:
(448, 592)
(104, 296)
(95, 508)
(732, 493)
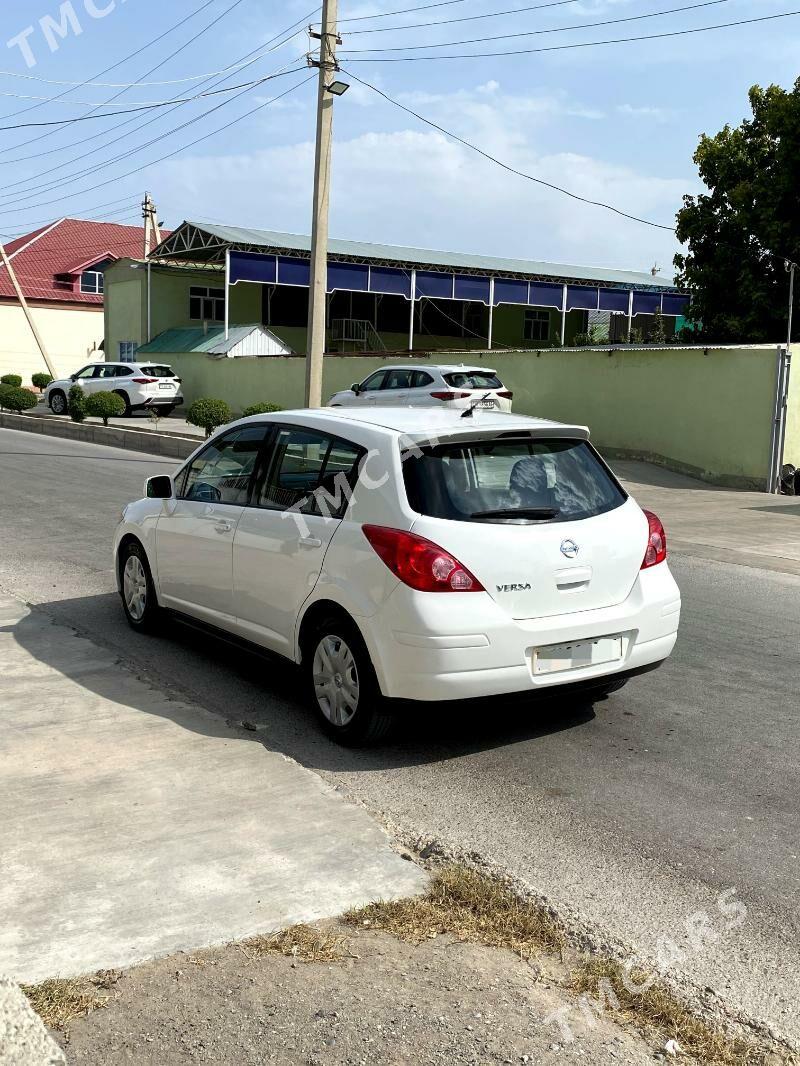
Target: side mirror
(356, 388)
(159, 487)
(73, 377)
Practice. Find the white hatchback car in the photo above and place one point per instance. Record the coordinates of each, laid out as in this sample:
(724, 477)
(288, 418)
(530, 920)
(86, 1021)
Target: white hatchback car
(142, 386)
(429, 386)
(404, 553)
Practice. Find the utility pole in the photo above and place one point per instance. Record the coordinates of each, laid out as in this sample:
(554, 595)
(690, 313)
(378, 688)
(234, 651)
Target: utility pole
(27, 311)
(152, 229)
(318, 285)
(791, 267)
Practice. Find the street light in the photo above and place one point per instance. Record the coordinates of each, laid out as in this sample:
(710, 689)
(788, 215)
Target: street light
(338, 88)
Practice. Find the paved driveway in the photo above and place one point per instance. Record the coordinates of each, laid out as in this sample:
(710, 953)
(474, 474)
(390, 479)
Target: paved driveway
(133, 825)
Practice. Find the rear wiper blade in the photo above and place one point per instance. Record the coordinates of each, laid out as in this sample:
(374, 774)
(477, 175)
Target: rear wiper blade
(519, 512)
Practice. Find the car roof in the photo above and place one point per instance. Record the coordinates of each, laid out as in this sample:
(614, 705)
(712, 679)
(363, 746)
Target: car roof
(446, 368)
(421, 422)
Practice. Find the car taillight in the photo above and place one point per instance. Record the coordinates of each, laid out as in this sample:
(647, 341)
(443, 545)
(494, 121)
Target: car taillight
(144, 381)
(656, 541)
(450, 395)
(506, 394)
(419, 563)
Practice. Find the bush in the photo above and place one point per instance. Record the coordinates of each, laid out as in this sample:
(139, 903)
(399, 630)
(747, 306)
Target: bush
(19, 400)
(11, 379)
(76, 404)
(261, 409)
(4, 390)
(41, 381)
(105, 405)
(208, 413)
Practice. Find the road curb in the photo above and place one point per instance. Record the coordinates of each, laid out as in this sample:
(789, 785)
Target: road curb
(24, 1040)
(112, 436)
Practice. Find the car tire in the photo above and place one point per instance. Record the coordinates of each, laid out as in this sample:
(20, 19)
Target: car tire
(342, 684)
(126, 400)
(57, 402)
(139, 600)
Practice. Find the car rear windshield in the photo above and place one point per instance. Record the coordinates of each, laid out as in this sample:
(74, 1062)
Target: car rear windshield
(532, 480)
(473, 379)
(158, 371)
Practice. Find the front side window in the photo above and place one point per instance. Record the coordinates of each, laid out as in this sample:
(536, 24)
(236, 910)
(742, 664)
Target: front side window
(206, 304)
(221, 473)
(373, 382)
(556, 480)
(87, 372)
(310, 472)
(537, 325)
(473, 379)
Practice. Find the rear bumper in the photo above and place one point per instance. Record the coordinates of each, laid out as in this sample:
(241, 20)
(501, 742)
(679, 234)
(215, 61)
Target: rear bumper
(469, 648)
(158, 401)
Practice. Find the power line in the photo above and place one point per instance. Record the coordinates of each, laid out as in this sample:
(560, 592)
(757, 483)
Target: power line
(507, 166)
(102, 165)
(86, 140)
(463, 18)
(151, 106)
(170, 155)
(404, 11)
(550, 29)
(581, 44)
(131, 55)
(32, 226)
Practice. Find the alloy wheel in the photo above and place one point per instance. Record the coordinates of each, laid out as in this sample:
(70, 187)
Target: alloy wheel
(134, 587)
(336, 684)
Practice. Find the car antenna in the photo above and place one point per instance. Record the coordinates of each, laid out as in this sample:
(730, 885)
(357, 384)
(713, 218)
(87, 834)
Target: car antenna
(474, 404)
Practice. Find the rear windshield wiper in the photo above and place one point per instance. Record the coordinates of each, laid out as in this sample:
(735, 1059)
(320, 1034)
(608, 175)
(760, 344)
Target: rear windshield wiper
(519, 512)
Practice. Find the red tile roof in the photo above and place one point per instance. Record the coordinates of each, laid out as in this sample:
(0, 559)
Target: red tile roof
(46, 261)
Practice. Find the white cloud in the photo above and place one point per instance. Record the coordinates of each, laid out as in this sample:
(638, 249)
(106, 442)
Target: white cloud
(414, 186)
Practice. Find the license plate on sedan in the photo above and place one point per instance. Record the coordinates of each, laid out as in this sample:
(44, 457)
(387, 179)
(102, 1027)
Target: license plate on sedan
(561, 657)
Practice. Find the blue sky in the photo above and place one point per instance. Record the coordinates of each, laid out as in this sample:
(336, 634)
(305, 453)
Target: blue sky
(616, 123)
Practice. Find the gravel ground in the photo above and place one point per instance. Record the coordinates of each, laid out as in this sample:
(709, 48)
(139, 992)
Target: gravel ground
(390, 1003)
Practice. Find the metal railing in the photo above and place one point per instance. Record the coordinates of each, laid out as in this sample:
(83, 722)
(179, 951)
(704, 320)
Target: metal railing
(358, 332)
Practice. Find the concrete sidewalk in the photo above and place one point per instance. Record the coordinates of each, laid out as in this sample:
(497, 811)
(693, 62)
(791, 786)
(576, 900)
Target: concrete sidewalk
(750, 528)
(133, 825)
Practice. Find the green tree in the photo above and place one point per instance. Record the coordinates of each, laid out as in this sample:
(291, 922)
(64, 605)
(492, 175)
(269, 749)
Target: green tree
(41, 381)
(105, 405)
(741, 231)
(11, 379)
(208, 414)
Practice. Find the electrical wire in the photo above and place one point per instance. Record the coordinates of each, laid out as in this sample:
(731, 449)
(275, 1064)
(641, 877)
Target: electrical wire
(464, 18)
(507, 166)
(404, 11)
(87, 140)
(151, 106)
(549, 29)
(177, 151)
(38, 190)
(580, 44)
(32, 226)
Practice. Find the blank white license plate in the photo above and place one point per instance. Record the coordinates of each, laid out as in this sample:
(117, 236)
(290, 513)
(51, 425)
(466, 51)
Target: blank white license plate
(166, 385)
(487, 403)
(558, 657)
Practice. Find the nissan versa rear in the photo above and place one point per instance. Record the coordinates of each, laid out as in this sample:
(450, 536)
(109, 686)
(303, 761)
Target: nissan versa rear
(408, 554)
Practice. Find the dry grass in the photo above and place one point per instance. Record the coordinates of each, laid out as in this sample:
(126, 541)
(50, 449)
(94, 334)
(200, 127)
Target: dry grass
(305, 942)
(657, 1010)
(471, 907)
(61, 1000)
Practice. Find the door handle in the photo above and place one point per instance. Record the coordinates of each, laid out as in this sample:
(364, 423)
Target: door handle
(310, 542)
(222, 526)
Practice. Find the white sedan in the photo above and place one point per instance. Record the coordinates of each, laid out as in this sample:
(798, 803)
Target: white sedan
(141, 386)
(397, 553)
(450, 386)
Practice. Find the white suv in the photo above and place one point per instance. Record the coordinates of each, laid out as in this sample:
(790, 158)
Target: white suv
(403, 553)
(429, 386)
(141, 385)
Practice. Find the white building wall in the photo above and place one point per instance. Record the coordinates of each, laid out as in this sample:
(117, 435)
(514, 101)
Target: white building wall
(71, 336)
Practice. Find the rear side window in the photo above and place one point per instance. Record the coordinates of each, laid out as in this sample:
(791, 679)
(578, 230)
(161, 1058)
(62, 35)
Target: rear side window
(473, 379)
(158, 371)
(553, 480)
(310, 472)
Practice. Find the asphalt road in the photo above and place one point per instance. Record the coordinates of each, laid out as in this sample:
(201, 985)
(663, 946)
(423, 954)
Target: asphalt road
(631, 816)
